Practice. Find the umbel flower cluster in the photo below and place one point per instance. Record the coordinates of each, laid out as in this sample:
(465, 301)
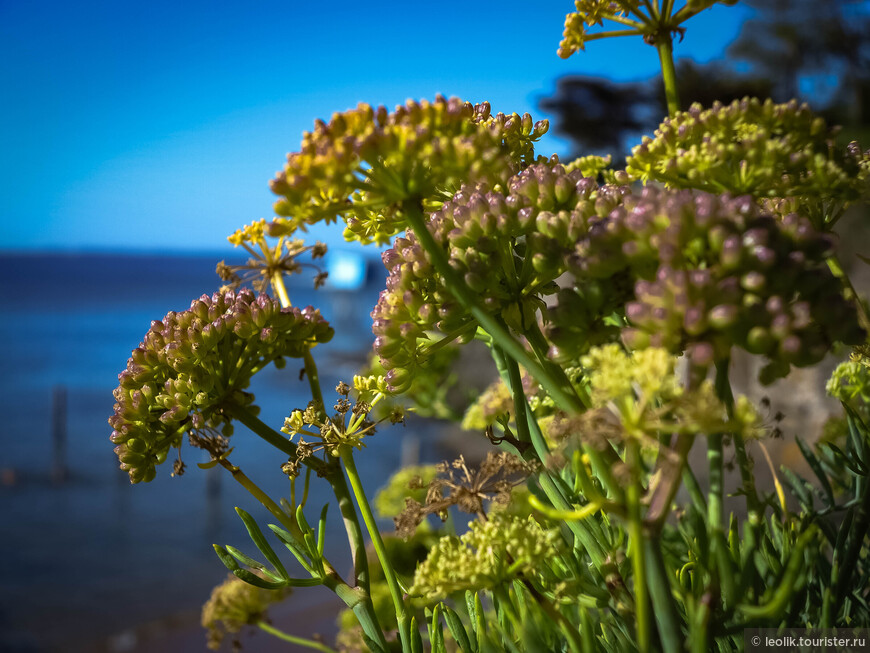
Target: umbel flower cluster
(364, 163)
(714, 271)
(688, 271)
(595, 529)
(491, 552)
(509, 246)
(190, 371)
(753, 147)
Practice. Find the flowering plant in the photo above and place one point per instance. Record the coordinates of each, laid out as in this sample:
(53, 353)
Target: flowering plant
(611, 302)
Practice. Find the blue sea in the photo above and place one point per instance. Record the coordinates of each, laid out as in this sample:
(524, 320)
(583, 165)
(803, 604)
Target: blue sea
(86, 559)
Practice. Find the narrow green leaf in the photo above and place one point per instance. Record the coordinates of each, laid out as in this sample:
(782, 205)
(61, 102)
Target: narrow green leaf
(816, 466)
(587, 634)
(253, 564)
(252, 579)
(300, 519)
(858, 436)
(798, 487)
(416, 638)
(436, 632)
(260, 540)
(480, 618)
(471, 606)
(454, 623)
(374, 647)
(228, 560)
(321, 531)
(849, 462)
(293, 546)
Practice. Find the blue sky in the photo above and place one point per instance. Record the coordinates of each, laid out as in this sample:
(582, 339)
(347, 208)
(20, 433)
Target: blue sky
(157, 126)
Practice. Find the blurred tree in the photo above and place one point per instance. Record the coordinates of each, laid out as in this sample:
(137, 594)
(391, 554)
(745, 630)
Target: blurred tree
(816, 51)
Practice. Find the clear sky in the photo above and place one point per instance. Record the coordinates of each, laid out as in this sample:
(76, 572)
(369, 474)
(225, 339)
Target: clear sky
(157, 125)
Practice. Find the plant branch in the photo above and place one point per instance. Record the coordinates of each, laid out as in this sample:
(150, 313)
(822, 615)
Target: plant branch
(368, 517)
(469, 301)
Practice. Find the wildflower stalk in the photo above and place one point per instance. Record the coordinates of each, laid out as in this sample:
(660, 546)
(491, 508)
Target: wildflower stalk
(659, 580)
(335, 478)
(346, 454)
(529, 431)
(463, 294)
(288, 521)
(293, 639)
(665, 47)
(280, 289)
(356, 599)
(313, 379)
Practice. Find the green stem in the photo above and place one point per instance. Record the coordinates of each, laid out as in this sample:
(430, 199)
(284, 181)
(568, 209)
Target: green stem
(352, 527)
(714, 496)
(659, 582)
(288, 521)
(636, 542)
(271, 436)
(359, 601)
(313, 379)
(380, 549)
(612, 33)
(529, 431)
(837, 270)
(539, 345)
(293, 639)
(469, 301)
(280, 289)
(665, 47)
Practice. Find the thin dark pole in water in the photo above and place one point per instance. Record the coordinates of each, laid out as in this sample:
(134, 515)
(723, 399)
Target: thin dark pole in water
(213, 503)
(59, 471)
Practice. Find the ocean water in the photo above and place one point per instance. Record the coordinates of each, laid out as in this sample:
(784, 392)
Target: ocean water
(85, 559)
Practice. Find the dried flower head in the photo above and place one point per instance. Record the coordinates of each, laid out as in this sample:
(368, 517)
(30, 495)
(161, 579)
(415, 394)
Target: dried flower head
(470, 490)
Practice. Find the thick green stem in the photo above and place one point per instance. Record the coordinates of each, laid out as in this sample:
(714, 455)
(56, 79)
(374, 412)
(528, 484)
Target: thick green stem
(352, 526)
(665, 47)
(293, 639)
(715, 494)
(380, 549)
(563, 397)
(659, 581)
(362, 606)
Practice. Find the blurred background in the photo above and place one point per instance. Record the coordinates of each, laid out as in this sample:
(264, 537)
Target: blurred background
(137, 136)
